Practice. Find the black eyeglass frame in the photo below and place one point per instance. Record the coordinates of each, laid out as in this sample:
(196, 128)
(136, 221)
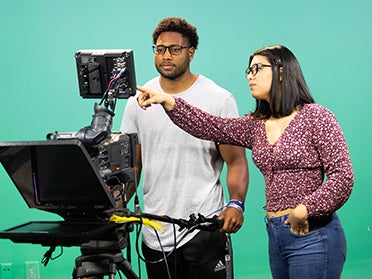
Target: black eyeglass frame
(170, 48)
(254, 69)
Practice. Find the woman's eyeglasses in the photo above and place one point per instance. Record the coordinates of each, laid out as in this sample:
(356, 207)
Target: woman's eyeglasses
(254, 69)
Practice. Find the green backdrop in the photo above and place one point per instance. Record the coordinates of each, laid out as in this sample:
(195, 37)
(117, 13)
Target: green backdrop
(39, 93)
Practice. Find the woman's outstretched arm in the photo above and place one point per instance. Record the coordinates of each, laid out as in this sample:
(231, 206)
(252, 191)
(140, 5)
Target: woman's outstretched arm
(236, 131)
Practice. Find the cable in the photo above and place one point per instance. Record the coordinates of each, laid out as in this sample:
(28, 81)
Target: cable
(138, 231)
(48, 255)
(164, 256)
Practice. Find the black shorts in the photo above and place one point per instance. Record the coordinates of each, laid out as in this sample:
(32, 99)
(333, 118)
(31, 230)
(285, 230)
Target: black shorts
(207, 256)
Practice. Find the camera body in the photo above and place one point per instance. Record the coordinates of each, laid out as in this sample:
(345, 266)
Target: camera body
(115, 158)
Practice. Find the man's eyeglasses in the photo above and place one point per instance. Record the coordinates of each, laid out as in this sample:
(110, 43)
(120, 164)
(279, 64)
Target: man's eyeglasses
(173, 49)
(254, 69)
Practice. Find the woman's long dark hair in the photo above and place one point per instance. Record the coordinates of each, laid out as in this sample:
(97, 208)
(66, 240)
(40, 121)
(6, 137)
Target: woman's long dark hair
(287, 94)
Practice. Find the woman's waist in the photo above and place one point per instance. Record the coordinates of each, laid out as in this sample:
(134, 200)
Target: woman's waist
(279, 213)
(314, 222)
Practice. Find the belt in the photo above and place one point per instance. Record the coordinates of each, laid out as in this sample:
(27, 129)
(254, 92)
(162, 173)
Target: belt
(279, 213)
(320, 221)
(313, 221)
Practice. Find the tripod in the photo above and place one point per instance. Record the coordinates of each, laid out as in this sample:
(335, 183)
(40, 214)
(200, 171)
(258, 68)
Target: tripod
(100, 258)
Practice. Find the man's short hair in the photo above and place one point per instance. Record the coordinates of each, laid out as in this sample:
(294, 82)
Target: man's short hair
(180, 25)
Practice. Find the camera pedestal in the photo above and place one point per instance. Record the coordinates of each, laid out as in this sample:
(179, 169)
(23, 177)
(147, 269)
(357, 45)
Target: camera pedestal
(100, 258)
(99, 265)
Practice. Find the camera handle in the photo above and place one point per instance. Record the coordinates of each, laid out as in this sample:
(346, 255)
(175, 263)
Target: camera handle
(194, 222)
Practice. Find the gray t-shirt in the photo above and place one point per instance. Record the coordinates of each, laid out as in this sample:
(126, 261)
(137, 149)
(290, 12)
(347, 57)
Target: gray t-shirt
(181, 174)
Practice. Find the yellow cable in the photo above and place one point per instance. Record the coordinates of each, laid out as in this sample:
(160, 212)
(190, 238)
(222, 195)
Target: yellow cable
(156, 225)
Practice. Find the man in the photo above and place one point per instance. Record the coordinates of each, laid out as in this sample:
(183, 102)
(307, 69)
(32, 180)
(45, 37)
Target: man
(181, 174)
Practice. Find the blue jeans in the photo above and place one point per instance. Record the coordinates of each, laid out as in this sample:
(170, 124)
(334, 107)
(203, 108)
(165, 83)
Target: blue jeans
(320, 254)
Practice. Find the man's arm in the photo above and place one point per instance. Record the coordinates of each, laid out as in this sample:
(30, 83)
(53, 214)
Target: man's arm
(237, 183)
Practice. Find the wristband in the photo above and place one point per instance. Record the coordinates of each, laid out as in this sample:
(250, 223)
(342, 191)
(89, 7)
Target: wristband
(236, 204)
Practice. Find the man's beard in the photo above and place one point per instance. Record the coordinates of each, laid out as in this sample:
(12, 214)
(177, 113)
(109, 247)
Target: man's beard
(176, 74)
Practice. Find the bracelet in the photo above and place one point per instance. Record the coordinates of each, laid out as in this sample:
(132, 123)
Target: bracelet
(236, 204)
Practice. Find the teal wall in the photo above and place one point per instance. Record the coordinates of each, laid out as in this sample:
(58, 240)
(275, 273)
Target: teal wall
(39, 94)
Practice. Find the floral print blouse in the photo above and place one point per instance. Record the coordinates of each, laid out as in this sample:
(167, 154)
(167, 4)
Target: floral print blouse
(309, 164)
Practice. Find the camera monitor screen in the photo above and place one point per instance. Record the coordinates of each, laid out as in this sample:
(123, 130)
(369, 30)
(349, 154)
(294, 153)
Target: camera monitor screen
(97, 68)
(56, 176)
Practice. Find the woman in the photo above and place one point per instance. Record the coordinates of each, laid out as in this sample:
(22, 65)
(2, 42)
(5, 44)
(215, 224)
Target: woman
(301, 151)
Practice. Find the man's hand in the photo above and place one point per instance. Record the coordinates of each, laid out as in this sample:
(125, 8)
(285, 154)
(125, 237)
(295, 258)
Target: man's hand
(233, 220)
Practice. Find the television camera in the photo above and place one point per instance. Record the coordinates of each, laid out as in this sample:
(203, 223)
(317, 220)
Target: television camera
(77, 175)
(109, 75)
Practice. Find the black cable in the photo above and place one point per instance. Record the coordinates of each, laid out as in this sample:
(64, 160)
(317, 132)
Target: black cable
(48, 255)
(164, 256)
(138, 231)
